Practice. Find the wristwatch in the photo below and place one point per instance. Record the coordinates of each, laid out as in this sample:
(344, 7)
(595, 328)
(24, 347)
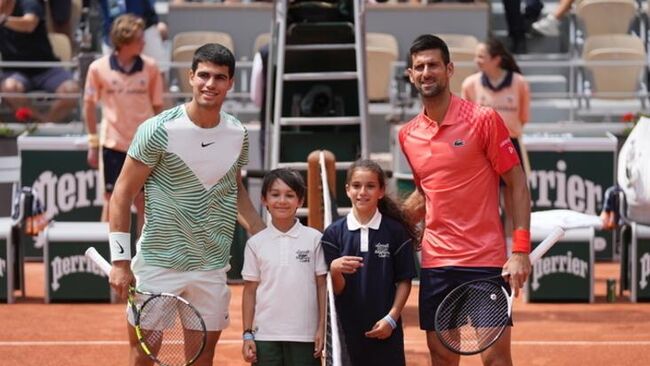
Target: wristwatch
(248, 335)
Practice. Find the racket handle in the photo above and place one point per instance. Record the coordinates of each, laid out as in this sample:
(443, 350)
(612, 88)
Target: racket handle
(556, 234)
(98, 259)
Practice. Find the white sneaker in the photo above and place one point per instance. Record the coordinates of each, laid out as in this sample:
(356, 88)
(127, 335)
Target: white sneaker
(548, 26)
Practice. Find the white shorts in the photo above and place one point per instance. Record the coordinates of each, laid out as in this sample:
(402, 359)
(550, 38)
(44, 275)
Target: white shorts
(207, 291)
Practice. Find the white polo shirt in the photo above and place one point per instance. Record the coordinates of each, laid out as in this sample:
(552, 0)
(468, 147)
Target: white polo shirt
(286, 266)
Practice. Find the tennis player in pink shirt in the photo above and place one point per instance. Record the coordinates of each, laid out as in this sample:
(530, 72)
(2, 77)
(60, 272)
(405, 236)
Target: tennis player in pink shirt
(457, 151)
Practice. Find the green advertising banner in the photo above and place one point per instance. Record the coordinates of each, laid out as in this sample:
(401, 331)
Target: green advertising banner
(71, 276)
(640, 257)
(572, 172)
(56, 168)
(565, 272)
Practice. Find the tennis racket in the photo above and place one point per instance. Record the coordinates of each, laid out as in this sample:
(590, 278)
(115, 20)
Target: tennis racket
(474, 315)
(169, 329)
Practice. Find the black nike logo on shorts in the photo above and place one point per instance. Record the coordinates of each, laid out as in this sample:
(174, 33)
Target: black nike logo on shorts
(204, 144)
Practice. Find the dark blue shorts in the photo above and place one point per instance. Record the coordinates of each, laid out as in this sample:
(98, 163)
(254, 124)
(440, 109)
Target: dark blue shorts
(436, 283)
(113, 161)
(48, 80)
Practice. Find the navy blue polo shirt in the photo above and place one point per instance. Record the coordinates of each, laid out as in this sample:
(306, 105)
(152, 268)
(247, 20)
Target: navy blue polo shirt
(370, 292)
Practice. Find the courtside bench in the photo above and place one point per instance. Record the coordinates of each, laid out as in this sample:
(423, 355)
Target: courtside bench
(69, 275)
(639, 263)
(566, 272)
(6, 261)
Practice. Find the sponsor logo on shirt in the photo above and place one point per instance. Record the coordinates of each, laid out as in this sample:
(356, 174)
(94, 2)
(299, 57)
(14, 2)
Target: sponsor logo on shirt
(459, 143)
(302, 256)
(382, 250)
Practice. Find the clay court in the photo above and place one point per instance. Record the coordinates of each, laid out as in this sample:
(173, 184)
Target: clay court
(598, 334)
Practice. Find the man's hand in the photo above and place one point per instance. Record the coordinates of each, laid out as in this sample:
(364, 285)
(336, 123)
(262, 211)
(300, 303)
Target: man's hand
(518, 266)
(121, 278)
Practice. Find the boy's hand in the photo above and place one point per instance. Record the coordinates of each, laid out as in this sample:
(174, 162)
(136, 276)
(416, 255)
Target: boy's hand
(249, 351)
(318, 344)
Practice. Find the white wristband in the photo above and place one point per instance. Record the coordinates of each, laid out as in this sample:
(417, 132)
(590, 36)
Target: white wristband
(120, 244)
(389, 319)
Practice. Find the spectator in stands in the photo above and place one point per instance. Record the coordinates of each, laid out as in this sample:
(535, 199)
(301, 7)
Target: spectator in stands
(500, 85)
(549, 25)
(519, 24)
(155, 31)
(60, 13)
(23, 37)
(129, 87)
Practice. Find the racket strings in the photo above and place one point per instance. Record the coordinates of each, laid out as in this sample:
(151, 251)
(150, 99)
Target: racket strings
(472, 317)
(172, 330)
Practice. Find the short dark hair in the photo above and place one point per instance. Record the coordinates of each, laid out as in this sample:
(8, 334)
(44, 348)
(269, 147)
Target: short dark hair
(216, 54)
(289, 176)
(429, 42)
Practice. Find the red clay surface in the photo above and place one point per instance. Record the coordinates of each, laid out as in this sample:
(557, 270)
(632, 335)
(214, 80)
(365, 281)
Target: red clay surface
(598, 334)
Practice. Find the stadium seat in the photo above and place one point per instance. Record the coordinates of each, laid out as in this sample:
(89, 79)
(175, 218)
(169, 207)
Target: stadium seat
(462, 48)
(606, 16)
(183, 46)
(381, 51)
(202, 37)
(617, 81)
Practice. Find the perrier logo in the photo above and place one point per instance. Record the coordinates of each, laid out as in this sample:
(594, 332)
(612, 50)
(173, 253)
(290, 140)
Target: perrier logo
(3, 267)
(73, 264)
(570, 191)
(69, 190)
(644, 261)
(559, 264)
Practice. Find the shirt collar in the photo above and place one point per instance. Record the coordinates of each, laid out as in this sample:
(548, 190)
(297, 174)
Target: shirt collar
(507, 80)
(138, 65)
(292, 233)
(451, 117)
(353, 224)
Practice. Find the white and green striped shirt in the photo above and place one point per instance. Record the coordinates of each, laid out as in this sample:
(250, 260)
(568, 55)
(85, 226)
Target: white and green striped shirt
(191, 194)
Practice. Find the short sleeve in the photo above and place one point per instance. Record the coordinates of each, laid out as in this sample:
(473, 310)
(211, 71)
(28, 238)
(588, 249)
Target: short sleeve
(319, 257)
(251, 269)
(243, 156)
(330, 246)
(499, 149)
(92, 89)
(404, 257)
(156, 86)
(149, 143)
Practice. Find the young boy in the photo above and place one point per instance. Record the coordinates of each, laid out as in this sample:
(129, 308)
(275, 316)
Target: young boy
(284, 269)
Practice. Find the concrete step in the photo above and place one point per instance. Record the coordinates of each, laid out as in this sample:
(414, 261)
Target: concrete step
(547, 83)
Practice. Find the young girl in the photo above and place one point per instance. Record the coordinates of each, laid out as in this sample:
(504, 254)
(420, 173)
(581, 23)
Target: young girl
(284, 290)
(371, 260)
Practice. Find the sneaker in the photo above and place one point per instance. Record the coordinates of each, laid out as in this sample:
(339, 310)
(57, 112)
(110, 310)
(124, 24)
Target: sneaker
(548, 26)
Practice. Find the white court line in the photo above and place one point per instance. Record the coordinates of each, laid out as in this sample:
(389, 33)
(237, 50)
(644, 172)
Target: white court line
(238, 341)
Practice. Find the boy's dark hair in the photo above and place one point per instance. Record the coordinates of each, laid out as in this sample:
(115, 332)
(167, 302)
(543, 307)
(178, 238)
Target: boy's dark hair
(289, 176)
(429, 42)
(216, 54)
(386, 205)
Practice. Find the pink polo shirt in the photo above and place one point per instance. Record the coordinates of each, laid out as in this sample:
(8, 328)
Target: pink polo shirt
(456, 164)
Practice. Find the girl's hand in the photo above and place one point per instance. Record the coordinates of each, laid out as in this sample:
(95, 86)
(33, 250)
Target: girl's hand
(318, 344)
(249, 351)
(347, 264)
(381, 330)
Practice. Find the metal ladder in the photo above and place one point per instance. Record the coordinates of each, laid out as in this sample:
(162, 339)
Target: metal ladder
(305, 54)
